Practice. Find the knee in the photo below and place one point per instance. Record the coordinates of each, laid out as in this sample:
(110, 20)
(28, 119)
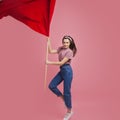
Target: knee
(50, 87)
(67, 93)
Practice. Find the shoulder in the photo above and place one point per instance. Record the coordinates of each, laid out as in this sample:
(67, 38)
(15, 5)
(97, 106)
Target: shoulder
(69, 53)
(69, 50)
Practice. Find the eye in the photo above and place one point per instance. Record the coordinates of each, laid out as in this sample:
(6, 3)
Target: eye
(65, 42)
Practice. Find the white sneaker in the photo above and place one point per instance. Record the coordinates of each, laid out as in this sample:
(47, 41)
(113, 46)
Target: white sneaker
(68, 115)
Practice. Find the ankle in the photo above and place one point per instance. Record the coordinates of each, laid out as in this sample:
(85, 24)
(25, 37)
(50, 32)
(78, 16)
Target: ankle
(69, 110)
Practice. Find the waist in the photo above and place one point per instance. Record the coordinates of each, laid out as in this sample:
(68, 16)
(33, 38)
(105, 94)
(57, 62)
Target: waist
(64, 65)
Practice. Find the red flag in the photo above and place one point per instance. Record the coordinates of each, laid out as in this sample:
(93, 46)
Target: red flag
(36, 14)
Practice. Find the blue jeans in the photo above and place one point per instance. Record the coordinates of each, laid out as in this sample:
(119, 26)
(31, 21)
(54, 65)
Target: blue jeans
(65, 74)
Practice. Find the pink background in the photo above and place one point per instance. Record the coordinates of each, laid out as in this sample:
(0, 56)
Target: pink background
(95, 27)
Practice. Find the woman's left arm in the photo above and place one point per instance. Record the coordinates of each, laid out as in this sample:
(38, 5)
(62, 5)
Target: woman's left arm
(60, 63)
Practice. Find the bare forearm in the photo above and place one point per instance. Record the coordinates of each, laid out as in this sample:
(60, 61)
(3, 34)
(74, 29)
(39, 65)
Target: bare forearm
(58, 62)
(55, 63)
(50, 50)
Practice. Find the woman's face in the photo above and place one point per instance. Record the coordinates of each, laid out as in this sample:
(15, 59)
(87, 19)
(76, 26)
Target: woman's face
(66, 43)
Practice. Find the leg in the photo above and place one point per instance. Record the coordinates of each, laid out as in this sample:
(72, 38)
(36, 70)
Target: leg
(67, 94)
(54, 83)
(67, 76)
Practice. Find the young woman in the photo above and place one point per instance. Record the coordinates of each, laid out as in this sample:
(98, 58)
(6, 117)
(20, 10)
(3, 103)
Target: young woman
(65, 54)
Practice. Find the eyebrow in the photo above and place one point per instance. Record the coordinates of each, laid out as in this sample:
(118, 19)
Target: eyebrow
(63, 41)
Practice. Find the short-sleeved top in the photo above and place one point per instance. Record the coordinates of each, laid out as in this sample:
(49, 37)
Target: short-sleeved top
(65, 52)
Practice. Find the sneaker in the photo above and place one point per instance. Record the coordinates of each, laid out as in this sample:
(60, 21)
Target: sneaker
(68, 115)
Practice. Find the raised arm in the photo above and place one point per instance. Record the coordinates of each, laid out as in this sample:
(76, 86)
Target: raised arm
(50, 50)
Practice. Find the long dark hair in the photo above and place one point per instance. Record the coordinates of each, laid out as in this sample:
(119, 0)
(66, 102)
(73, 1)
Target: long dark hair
(72, 44)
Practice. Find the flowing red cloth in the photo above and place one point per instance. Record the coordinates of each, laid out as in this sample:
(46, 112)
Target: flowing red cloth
(36, 14)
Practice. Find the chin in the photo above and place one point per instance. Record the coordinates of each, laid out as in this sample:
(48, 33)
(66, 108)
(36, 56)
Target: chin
(65, 46)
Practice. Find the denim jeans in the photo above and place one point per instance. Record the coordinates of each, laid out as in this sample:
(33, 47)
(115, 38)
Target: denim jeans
(65, 74)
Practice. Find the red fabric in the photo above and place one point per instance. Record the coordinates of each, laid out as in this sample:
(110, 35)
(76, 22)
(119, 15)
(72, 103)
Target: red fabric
(36, 14)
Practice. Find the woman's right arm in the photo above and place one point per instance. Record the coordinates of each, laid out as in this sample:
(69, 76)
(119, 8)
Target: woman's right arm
(50, 50)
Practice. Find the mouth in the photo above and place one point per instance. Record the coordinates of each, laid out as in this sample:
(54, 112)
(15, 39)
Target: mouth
(65, 46)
